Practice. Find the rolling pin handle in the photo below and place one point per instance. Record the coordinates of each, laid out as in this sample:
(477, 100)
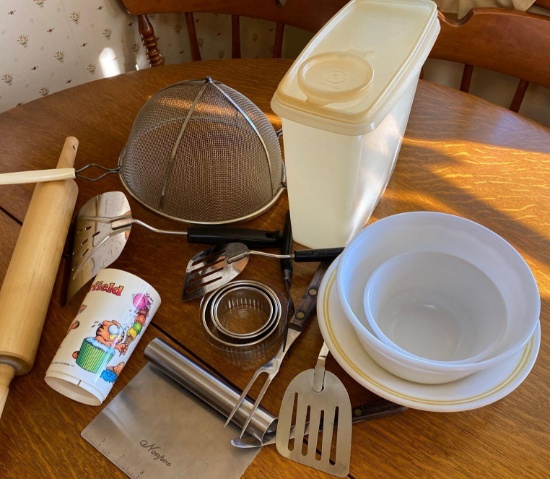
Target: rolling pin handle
(6, 375)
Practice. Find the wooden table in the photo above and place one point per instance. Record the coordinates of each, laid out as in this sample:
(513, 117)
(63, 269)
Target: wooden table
(460, 155)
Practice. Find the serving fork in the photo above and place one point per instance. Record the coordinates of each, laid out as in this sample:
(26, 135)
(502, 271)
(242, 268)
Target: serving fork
(296, 325)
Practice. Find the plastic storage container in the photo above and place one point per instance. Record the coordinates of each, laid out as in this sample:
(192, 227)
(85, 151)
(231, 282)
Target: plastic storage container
(344, 105)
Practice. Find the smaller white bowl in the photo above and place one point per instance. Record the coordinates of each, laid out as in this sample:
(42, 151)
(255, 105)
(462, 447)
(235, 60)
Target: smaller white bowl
(435, 306)
(442, 233)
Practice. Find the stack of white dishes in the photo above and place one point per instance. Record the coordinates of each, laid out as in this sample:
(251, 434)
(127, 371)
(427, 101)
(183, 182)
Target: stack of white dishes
(432, 311)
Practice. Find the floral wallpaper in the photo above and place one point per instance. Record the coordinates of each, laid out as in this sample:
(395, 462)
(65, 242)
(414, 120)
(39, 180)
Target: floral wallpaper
(50, 45)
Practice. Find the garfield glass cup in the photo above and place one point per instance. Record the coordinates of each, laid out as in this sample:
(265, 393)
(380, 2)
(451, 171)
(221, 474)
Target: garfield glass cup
(112, 318)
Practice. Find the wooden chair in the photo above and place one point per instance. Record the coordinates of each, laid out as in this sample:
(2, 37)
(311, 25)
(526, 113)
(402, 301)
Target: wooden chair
(505, 41)
(309, 15)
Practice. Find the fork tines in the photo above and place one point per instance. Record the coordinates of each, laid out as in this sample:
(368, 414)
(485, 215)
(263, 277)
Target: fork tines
(270, 369)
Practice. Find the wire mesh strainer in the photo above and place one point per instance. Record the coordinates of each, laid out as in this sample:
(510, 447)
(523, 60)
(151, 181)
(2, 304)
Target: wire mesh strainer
(198, 152)
(201, 152)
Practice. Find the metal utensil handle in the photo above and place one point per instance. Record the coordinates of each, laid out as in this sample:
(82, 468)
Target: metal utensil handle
(221, 235)
(312, 255)
(308, 302)
(319, 371)
(201, 234)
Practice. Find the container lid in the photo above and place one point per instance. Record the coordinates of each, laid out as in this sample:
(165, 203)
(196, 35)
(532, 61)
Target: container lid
(334, 77)
(355, 68)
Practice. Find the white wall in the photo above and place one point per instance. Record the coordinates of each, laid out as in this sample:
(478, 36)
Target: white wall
(50, 45)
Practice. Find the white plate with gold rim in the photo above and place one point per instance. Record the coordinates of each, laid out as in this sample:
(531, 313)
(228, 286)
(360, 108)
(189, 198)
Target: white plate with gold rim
(471, 392)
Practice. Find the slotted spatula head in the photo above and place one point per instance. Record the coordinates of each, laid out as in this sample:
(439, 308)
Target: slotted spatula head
(212, 268)
(101, 231)
(316, 396)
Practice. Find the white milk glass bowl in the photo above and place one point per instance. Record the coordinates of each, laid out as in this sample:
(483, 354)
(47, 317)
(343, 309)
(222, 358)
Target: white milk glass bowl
(422, 231)
(435, 306)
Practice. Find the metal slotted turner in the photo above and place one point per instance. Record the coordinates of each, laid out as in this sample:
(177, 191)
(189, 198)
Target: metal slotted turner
(212, 268)
(316, 396)
(103, 226)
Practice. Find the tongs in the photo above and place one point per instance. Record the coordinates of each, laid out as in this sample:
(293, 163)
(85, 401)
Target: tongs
(296, 325)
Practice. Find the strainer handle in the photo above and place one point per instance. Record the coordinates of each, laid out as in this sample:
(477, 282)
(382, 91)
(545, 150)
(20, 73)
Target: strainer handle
(37, 176)
(223, 234)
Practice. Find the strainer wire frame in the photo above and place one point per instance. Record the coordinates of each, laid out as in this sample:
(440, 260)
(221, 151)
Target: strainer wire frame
(274, 194)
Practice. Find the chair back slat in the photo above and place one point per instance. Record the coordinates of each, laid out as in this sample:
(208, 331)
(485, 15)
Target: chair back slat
(308, 15)
(519, 95)
(278, 45)
(506, 41)
(235, 36)
(193, 39)
(466, 80)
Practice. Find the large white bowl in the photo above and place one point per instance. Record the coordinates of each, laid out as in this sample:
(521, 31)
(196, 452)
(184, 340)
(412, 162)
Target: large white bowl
(438, 232)
(435, 306)
(472, 392)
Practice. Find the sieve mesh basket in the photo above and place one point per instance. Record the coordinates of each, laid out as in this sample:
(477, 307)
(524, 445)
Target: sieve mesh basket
(201, 152)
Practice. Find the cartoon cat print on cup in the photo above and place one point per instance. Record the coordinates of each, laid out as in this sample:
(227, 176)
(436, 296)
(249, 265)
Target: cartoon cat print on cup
(111, 338)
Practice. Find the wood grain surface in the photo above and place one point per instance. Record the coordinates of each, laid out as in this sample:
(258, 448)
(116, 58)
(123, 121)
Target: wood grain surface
(460, 155)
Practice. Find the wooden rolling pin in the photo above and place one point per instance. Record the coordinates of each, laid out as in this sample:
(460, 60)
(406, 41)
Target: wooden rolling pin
(30, 278)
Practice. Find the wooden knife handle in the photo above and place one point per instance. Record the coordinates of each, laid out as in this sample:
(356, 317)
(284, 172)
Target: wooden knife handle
(307, 304)
(30, 278)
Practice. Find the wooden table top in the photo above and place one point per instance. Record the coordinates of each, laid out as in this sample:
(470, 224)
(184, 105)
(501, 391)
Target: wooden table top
(460, 155)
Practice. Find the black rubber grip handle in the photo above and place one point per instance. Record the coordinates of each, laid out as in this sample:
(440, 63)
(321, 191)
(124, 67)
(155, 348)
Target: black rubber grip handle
(223, 234)
(312, 255)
